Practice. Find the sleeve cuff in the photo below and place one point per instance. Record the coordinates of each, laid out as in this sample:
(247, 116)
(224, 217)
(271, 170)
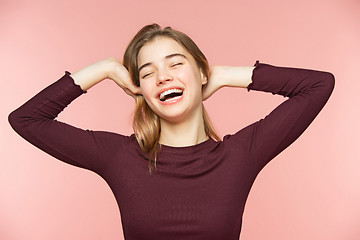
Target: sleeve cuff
(67, 74)
(256, 65)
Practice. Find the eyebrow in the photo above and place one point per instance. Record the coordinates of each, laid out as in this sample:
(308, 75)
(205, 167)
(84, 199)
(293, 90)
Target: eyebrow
(166, 57)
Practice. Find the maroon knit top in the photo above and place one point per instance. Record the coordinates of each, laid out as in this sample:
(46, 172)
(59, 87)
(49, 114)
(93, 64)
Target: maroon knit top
(198, 192)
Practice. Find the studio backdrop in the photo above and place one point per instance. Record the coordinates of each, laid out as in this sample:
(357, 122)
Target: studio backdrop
(310, 191)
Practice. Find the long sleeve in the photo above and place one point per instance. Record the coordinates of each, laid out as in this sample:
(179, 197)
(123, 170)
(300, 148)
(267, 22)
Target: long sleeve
(307, 92)
(35, 122)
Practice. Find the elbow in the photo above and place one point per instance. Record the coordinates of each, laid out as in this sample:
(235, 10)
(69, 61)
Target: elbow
(13, 120)
(16, 120)
(327, 82)
(330, 79)
(330, 82)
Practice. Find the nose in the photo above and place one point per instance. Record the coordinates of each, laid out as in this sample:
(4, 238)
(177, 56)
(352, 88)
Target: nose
(163, 77)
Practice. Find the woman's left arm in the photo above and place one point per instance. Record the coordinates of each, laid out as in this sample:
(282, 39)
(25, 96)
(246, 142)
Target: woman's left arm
(307, 91)
(227, 76)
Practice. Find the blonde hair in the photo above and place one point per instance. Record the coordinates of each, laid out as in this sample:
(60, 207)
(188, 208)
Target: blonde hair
(146, 123)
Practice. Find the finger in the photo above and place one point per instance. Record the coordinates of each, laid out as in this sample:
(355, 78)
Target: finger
(130, 93)
(135, 89)
(205, 97)
(205, 94)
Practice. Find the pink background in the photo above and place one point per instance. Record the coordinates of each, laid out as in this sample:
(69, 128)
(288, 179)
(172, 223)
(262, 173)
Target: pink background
(310, 191)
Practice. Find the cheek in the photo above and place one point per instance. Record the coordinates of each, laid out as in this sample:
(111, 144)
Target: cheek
(146, 91)
(148, 97)
(195, 72)
(193, 79)
(188, 76)
(144, 88)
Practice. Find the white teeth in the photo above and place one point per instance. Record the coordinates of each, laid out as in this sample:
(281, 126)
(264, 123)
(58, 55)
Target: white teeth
(174, 90)
(173, 98)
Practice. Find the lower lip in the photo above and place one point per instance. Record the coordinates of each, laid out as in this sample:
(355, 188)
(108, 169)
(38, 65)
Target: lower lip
(172, 101)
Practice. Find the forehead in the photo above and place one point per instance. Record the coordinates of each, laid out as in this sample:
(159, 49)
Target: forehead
(158, 48)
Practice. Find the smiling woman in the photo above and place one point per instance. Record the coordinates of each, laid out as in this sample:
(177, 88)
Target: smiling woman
(200, 184)
(171, 75)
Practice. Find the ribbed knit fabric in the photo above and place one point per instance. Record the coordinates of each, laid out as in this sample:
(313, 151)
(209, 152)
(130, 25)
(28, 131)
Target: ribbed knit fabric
(198, 192)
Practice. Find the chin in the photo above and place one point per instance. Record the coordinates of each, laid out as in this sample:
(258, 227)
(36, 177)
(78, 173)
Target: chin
(173, 118)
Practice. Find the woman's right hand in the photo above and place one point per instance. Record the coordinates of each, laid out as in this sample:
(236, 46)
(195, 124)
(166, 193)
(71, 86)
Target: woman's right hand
(108, 68)
(120, 75)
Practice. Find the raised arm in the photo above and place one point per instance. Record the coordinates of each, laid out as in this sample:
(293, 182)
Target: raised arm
(109, 68)
(227, 76)
(307, 92)
(35, 120)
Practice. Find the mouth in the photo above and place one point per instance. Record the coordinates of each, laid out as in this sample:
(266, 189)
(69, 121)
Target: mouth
(171, 94)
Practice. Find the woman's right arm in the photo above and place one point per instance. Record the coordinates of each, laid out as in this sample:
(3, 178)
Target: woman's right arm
(35, 120)
(109, 68)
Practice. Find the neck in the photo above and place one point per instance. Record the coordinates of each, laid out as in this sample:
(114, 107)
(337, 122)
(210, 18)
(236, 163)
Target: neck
(186, 133)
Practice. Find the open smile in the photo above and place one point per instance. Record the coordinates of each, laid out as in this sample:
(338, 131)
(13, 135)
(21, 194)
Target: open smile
(170, 95)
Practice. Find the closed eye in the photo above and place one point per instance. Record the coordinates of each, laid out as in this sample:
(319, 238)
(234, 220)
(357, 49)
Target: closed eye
(176, 64)
(173, 65)
(146, 75)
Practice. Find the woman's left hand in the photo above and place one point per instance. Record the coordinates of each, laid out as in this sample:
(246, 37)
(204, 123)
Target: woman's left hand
(227, 76)
(214, 83)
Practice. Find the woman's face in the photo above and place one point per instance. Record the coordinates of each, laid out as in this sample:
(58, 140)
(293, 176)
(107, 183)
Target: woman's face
(170, 80)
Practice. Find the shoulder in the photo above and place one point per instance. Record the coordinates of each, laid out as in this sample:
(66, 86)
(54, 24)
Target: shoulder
(112, 140)
(242, 139)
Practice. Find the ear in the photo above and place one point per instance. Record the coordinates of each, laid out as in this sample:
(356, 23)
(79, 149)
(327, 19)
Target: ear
(203, 78)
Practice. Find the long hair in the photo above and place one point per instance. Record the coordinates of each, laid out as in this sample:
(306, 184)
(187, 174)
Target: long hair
(146, 123)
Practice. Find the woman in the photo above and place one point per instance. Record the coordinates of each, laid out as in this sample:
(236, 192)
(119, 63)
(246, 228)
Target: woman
(174, 178)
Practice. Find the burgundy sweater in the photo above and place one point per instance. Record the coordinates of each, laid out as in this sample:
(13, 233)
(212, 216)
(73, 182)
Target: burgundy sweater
(198, 192)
